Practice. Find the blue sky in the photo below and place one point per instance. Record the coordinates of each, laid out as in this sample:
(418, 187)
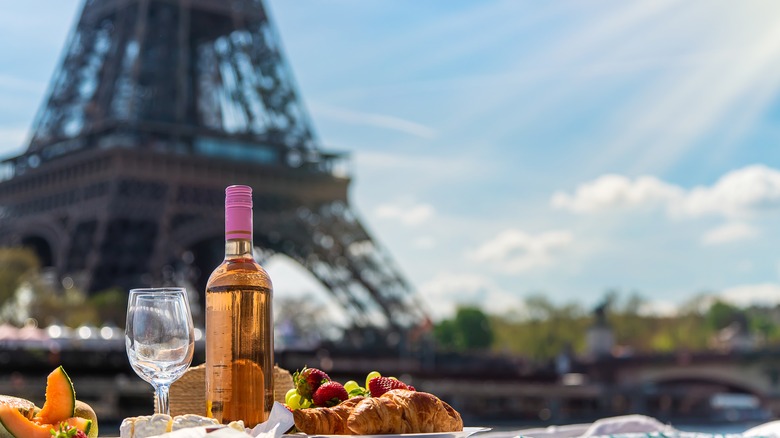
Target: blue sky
(504, 148)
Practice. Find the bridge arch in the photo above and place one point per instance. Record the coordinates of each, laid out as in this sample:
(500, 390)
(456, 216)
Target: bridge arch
(730, 377)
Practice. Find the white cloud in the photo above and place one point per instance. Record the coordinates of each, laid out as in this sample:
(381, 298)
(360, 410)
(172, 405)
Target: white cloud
(616, 191)
(730, 232)
(514, 251)
(406, 212)
(762, 294)
(759, 294)
(370, 119)
(740, 193)
(447, 290)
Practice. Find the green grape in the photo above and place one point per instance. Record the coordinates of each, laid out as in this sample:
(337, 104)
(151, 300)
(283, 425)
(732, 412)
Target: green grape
(305, 403)
(372, 375)
(294, 402)
(393, 378)
(358, 392)
(351, 386)
(288, 395)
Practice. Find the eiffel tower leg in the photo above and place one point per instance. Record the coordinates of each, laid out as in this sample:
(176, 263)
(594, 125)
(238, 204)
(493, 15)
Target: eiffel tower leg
(165, 249)
(95, 255)
(330, 241)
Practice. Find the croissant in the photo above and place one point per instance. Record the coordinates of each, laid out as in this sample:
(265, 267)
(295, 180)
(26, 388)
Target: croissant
(325, 421)
(402, 411)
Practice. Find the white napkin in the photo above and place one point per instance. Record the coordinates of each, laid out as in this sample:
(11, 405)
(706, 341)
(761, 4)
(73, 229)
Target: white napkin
(771, 428)
(279, 421)
(627, 424)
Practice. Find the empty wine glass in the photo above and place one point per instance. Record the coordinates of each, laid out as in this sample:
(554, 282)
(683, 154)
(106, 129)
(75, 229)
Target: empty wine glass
(159, 338)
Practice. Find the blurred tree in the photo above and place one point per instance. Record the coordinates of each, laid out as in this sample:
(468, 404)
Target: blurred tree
(763, 322)
(629, 325)
(111, 306)
(539, 307)
(721, 315)
(473, 329)
(470, 329)
(24, 294)
(16, 265)
(69, 307)
(688, 331)
(445, 334)
(545, 330)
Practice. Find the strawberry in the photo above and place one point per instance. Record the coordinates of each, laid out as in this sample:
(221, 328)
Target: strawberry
(380, 385)
(329, 394)
(308, 380)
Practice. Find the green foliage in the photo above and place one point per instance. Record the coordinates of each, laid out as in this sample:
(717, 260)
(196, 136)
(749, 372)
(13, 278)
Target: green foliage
(474, 330)
(69, 307)
(25, 295)
(543, 329)
(445, 334)
(763, 323)
(111, 306)
(721, 315)
(16, 265)
(470, 330)
(547, 330)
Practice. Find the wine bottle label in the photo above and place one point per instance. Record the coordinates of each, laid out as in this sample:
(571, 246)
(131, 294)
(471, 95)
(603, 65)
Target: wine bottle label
(238, 212)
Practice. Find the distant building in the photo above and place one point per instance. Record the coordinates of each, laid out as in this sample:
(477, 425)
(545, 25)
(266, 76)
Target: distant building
(599, 338)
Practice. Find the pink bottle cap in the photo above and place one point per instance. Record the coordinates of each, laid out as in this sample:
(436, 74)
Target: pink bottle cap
(238, 212)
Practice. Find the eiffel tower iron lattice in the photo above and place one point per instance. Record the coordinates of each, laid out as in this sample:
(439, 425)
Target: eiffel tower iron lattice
(157, 106)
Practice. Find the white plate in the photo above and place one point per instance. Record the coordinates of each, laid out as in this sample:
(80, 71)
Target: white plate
(467, 431)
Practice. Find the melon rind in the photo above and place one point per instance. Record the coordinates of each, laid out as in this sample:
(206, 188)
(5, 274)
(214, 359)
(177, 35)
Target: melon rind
(81, 424)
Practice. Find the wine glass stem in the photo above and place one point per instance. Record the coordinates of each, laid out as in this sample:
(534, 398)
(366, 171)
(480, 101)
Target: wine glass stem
(161, 399)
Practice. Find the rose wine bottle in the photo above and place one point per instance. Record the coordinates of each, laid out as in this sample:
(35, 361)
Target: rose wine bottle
(239, 323)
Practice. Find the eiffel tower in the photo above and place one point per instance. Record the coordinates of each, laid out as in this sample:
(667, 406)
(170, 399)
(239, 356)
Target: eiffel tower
(157, 106)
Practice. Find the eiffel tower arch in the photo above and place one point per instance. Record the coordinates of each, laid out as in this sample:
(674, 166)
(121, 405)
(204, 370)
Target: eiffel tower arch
(157, 106)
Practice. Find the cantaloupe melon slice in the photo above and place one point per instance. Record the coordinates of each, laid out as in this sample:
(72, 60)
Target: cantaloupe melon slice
(81, 424)
(16, 424)
(19, 426)
(60, 401)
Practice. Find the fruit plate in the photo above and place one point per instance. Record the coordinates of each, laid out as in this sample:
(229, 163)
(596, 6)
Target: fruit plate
(466, 432)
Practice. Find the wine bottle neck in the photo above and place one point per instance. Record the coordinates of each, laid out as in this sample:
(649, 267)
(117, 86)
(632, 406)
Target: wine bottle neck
(238, 222)
(238, 248)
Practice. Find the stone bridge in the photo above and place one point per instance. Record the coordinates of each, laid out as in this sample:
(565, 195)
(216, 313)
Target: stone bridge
(694, 377)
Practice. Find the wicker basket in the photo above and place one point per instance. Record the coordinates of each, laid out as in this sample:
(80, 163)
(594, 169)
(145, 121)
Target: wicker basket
(188, 394)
